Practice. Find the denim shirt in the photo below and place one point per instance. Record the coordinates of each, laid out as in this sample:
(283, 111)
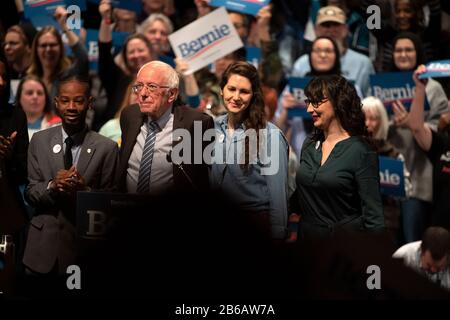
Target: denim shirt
(264, 186)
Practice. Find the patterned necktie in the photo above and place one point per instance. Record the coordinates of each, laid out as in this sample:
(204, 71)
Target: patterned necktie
(68, 154)
(147, 158)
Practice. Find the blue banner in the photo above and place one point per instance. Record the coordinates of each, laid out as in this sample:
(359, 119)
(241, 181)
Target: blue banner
(391, 86)
(437, 69)
(392, 179)
(253, 55)
(79, 3)
(118, 38)
(41, 12)
(132, 5)
(245, 6)
(296, 87)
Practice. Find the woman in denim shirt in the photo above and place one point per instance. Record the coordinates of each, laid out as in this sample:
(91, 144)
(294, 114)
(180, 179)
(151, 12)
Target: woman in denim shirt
(250, 155)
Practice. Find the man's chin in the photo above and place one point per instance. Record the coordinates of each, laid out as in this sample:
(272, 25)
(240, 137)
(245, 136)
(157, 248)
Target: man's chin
(146, 109)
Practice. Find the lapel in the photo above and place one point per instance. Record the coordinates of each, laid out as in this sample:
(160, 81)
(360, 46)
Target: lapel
(86, 153)
(134, 122)
(177, 123)
(57, 159)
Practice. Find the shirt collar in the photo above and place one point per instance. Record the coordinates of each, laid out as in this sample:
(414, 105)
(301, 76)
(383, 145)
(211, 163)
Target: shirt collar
(162, 121)
(77, 137)
(222, 121)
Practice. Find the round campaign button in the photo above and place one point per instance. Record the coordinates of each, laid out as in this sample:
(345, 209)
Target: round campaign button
(56, 148)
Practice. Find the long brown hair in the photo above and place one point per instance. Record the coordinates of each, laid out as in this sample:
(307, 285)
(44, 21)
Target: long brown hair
(345, 101)
(254, 116)
(36, 65)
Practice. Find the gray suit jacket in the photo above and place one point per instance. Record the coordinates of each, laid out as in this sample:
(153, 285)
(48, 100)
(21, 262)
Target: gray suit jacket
(52, 233)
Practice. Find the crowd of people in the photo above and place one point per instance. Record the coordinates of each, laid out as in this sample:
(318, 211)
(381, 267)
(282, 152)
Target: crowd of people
(138, 124)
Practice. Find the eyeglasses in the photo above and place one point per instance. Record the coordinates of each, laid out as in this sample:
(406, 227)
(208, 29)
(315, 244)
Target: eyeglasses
(45, 45)
(152, 87)
(315, 104)
(326, 51)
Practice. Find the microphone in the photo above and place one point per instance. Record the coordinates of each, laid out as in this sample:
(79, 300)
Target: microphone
(180, 166)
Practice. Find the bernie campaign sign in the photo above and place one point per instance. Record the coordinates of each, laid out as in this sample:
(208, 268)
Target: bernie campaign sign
(118, 38)
(297, 87)
(253, 55)
(392, 179)
(245, 6)
(41, 12)
(437, 69)
(205, 40)
(391, 86)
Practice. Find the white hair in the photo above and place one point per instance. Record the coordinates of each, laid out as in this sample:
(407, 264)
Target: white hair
(171, 75)
(375, 105)
(155, 17)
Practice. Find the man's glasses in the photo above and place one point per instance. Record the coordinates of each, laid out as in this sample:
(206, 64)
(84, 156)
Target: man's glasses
(315, 104)
(152, 87)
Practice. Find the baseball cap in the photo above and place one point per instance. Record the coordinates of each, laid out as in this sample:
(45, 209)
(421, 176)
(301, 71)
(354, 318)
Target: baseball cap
(331, 13)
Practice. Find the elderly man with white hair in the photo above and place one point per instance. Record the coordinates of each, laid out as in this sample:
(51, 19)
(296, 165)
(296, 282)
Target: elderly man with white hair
(149, 133)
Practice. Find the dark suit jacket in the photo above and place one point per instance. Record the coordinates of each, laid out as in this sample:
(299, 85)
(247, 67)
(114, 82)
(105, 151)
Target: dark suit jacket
(52, 232)
(13, 169)
(131, 121)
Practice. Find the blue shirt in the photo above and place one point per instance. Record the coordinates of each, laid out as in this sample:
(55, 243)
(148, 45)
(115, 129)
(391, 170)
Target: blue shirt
(264, 186)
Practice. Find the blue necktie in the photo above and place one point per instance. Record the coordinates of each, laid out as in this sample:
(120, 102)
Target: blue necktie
(147, 158)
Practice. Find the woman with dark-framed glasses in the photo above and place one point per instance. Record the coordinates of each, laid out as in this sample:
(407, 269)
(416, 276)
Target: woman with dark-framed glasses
(337, 180)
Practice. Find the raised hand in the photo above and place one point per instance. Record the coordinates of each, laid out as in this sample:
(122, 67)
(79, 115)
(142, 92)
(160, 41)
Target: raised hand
(105, 10)
(401, 116)
(61, 16)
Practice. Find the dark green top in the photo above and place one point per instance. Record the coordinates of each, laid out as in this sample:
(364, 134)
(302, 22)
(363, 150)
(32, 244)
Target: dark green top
(344, 191)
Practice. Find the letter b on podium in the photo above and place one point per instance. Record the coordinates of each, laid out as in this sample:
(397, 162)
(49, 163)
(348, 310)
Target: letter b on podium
(96, 224)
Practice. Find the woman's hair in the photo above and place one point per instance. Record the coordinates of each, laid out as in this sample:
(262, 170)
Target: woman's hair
(155, 17)
(125, 100)
(36, 65)
(374, 105)
(47, 106)
(254, 116)
(127, 41)
(420, 51)
(336, 68)
(21, 32)
(345, 101)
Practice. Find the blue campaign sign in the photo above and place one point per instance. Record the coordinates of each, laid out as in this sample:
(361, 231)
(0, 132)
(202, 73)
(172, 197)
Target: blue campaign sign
(118, 38)
(79, 3)
(40, 12)
(132, 5)
(253, 55)
(392, 179)
(245, 6)
(296, 87)
(391, 86)
(437, 69)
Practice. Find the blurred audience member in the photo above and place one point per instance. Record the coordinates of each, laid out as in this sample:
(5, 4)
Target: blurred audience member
(33, 98)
